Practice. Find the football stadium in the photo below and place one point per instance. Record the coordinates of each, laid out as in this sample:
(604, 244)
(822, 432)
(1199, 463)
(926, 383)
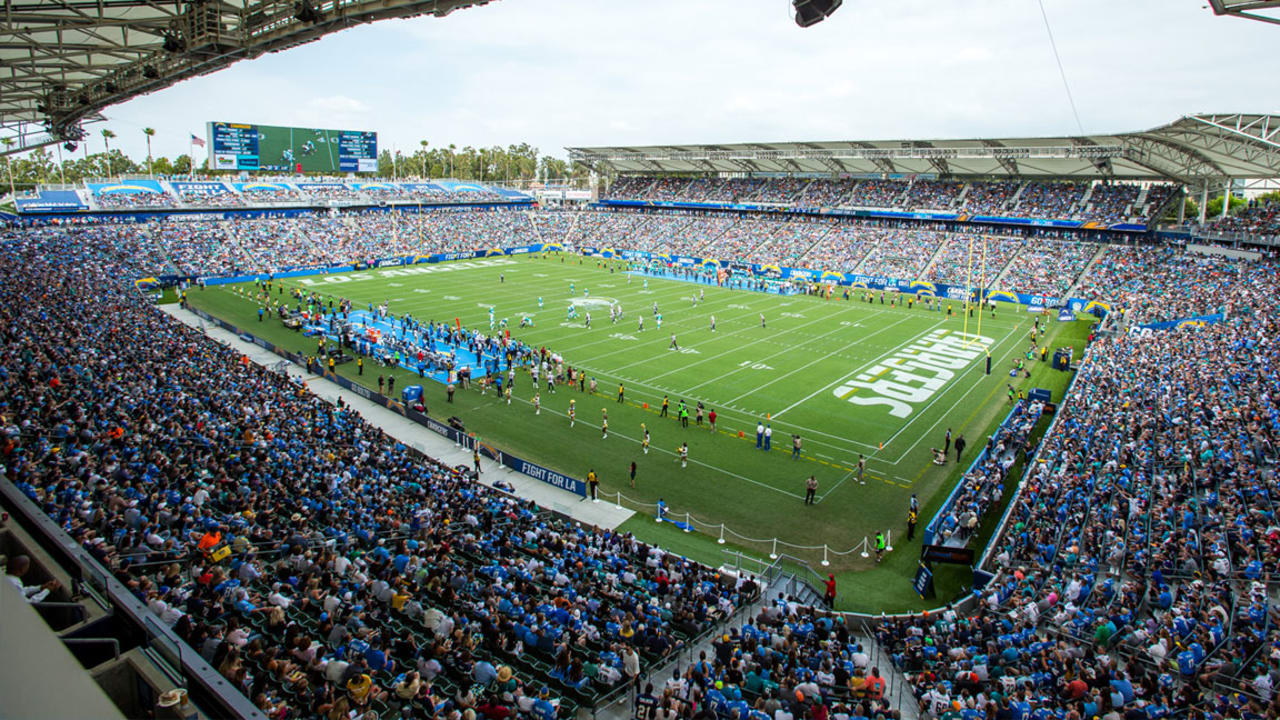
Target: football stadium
(958, 427)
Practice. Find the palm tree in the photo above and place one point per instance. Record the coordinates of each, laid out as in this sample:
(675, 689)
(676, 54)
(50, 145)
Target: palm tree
(424, 144)
(8, 160)
(452, 147)
(106, 142)
(149, 132)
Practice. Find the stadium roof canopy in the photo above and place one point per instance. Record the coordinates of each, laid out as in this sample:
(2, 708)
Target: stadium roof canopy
(1264, 10)
(63, 60)
(1190, 150)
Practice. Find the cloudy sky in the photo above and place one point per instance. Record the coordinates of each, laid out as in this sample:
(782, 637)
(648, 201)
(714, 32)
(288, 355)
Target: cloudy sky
(559, 73)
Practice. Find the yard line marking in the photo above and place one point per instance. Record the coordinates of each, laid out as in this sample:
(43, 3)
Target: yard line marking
(637, 441)
(739, 349)
(820, 359)
(1013, 348)
(878, 358)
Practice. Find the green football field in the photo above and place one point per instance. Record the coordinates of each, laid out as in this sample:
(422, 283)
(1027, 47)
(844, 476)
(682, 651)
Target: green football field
(273, 141)
(799, 373)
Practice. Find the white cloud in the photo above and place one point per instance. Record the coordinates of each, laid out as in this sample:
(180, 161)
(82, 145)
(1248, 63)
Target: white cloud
(583, 72)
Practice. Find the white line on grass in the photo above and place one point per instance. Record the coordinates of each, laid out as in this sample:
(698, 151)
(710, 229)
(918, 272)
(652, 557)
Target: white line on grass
(841, 379)
(664, 451)
(974, 386)
(820, 359)
(738, 349)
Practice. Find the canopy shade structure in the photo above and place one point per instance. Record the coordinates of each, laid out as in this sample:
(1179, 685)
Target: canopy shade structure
(61, 61)
(1190, 150)
(1264, 10)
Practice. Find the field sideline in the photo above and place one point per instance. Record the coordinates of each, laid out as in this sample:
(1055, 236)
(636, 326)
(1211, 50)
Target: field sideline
(797, 369)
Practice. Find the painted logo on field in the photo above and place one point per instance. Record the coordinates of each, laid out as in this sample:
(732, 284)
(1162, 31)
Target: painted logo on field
(593, 303)
(914, 373)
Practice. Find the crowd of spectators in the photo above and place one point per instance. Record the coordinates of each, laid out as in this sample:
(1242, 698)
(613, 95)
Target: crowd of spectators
(990, 198)
(723, 190)
(1111, 202)
(217, 198)
(134, 200)
(1259, 218)
(269, 195)
(934, 194)
(329, 191)
(1050, 199)
(1165, 283)
(1158, 196)
(901, 254)
(822, 193)
(842, 247)
(359, 576)
(782, 191)
(1135, 572)
(553, 226)
(1133, 579)
(976, 260)
(1047, 267)
(983, 484)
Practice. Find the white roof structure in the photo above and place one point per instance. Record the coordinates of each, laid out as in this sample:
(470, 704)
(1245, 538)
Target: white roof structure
(1190, 150)
(63, 60)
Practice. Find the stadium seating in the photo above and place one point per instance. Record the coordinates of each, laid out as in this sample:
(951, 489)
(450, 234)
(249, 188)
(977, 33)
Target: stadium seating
(1134, 576)
(1259, 218)
(1048, 200)
(990, 198)
(1109, 202)
(353, 559)
(1162, 284)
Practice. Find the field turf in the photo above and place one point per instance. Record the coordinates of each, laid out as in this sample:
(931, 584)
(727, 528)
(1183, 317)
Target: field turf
(795, 372)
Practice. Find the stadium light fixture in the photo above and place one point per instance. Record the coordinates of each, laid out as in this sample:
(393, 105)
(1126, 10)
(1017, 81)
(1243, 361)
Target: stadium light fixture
(308, 13)
(812, 12)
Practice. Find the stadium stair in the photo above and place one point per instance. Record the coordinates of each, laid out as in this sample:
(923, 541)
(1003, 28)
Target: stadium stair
(534, 227)
(1007, 266)
(1083, 205)
(710, 241)
(1141, 201)
(1092, 261)
(815, 244)
(167, 188)
(934, 257)
(901, 200)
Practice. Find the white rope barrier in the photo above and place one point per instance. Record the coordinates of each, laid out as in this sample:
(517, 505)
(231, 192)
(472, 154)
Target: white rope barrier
(723, 533)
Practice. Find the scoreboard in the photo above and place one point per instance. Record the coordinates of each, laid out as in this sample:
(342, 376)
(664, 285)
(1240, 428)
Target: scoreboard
(268, 148)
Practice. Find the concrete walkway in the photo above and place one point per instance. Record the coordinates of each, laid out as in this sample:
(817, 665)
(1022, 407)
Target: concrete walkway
(601, 514)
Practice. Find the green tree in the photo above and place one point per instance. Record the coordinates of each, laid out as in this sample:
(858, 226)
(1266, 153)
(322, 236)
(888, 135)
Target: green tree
(8, 160)
(106, 143)
(1214, 208)
(424, 144)
(149, 132)
(164, 166)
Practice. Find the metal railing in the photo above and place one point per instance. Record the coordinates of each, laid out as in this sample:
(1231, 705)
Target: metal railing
(213, 693)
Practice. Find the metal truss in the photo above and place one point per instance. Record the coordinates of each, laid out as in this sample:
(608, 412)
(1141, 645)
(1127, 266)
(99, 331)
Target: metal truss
(1248, 9)
(61, 61)
(1190, 150)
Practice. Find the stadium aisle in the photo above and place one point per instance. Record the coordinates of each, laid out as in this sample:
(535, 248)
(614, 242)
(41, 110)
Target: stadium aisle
(601, 514)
